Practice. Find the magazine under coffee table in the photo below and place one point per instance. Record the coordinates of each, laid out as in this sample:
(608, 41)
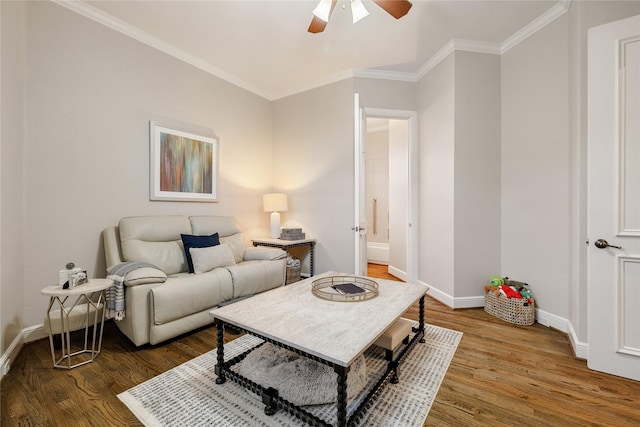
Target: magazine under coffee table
(330, 332)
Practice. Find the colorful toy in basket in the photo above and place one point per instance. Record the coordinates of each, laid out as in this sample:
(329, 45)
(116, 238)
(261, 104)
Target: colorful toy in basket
(509, 289)
(496, 281)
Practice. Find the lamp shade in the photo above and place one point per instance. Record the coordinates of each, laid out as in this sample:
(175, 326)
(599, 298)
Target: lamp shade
(275, 202)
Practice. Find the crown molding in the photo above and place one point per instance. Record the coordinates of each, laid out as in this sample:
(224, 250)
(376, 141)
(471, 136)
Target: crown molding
(536, 25)
(473, 46)
(451, 46)
(372, 73)
(115, 24)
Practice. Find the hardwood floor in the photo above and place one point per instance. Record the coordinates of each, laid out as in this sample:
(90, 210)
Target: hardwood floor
(501, 375)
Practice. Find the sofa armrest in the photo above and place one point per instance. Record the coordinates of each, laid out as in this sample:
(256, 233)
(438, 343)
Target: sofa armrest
(144, 275)
(263, 253)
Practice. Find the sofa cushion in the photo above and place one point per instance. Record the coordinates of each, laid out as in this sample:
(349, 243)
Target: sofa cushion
(237, 244)
(252, 277)
(156, 240)
(227, 228)
(190, 241)
(144, 275)
(223, 225)
(187, 294)
(206, 259)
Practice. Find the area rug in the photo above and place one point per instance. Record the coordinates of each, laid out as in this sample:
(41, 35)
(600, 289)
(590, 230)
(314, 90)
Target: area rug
(187, 395)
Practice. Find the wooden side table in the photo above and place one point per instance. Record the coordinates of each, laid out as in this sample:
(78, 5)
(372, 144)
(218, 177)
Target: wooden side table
(288, 244)
(82, 313)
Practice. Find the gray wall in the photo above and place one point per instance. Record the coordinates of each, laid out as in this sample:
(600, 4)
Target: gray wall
(535, 165)
(76, 102)
(12, 172)
(460, 175)
(314, 164)
(386, 94)
(90, 93)
(544, 161)
(436, 116)
(477, 179)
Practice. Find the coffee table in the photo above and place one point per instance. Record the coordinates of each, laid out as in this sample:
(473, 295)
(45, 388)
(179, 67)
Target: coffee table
(330, 332)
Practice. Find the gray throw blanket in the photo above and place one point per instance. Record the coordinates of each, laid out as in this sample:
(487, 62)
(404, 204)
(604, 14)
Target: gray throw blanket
(115, 294)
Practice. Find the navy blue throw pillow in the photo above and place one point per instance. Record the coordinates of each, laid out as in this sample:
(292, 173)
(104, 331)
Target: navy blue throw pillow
(189, 241)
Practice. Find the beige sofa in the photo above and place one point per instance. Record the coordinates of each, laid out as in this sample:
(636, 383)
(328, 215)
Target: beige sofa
(168, 301)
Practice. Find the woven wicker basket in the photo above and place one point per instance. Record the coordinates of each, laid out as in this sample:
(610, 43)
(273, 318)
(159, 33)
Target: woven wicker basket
(293, 274)
(510, 310)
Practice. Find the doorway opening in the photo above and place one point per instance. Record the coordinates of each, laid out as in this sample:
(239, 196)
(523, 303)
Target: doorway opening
(390, 183)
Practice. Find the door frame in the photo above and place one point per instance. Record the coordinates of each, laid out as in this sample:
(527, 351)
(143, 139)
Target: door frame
(413, 176)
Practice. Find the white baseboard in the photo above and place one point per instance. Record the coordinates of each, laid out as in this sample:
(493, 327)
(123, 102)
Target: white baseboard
(29, 334)
(580, 349)
(438, 295)
(10, 354)
(551, 320)
(397, 273)
(460, 302)
(33, 333)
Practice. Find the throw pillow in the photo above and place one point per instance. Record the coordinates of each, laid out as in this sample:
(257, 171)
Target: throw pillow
(189, 241)
(206, 259)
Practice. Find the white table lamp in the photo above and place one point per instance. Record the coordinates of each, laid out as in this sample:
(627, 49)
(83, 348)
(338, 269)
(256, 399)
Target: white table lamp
(275, 203)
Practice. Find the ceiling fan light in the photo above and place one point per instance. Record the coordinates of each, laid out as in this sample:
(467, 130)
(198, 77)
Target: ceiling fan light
(358, 10)
(322, 10)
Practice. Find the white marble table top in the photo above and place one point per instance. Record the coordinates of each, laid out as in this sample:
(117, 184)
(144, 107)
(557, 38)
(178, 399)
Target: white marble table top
(335, 331)
(93, 285)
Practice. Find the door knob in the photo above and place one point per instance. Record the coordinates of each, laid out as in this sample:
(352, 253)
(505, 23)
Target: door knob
(601, 244)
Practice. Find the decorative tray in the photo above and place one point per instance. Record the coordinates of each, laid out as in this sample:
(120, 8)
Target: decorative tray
(345, 288)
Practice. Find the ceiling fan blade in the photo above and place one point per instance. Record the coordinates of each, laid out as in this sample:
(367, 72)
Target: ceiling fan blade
(318, 25)
(395, 8)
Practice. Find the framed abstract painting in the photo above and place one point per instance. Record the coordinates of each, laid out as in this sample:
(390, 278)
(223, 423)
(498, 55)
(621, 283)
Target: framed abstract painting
(183, 165)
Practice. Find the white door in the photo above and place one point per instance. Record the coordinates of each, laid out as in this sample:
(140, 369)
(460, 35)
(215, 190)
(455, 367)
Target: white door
(410, 195)
(360, 154)
(399, 187)
(614, 198)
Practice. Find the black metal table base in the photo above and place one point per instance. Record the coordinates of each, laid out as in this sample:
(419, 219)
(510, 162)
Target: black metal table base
(273, 401)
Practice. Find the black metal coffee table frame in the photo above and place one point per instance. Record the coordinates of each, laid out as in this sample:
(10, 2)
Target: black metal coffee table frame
(270, 395)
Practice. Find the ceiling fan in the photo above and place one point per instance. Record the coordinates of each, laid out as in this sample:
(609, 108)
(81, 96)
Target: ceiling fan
(322, 13)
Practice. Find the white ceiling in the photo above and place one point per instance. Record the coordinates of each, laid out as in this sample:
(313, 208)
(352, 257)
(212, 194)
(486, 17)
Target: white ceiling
(264, 45)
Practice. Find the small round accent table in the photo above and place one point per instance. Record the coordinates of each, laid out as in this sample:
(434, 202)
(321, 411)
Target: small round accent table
(85, 312)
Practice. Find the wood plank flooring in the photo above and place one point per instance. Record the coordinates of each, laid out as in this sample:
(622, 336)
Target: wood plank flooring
(501, 375)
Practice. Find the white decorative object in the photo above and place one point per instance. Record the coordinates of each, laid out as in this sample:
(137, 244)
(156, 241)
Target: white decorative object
(63, 275)
(275, 203)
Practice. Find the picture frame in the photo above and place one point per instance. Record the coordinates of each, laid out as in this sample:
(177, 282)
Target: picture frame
(183, 165)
